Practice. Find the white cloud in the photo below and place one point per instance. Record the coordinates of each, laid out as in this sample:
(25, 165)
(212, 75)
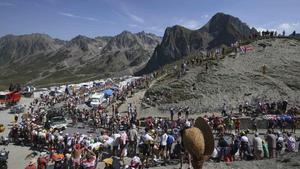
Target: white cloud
(67, 14)
(205, 16)
(188, 23)
(6, 4)
(133, 25)
(288, 27)
(135, 18)
(154, 29)
(77, 16)
(285, 26)
(191, 24)
(126, 12)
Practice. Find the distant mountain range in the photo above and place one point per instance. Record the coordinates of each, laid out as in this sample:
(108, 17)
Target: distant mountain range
(39, 59)
(178, 41)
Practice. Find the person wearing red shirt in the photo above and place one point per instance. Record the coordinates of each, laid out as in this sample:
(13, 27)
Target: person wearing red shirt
(43, 161)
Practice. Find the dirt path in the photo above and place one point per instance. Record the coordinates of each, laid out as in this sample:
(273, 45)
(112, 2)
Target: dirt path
(136, 100)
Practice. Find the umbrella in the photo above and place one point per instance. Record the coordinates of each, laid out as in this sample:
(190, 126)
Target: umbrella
(108, 92)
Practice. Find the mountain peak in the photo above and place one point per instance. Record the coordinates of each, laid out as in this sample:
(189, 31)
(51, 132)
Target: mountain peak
(81, 42)
(81, 37)
(28, 36)
(177, 27)
(13, 47)
(126, 33)
(179, 42)
(220, 21)
(221, 14)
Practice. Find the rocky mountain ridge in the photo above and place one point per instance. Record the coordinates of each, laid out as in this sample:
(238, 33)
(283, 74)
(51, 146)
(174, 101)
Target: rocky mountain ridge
(178, 42)
(39, 59)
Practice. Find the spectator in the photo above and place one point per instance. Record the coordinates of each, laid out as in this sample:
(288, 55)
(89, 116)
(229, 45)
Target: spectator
(257, 147)
(244, 149)
(279, 144)
(133, 135)
(170, 142)
(223, 146)
(291, 143)
(271, 141)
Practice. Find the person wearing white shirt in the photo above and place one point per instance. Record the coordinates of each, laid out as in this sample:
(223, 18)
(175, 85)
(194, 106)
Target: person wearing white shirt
(163, 144)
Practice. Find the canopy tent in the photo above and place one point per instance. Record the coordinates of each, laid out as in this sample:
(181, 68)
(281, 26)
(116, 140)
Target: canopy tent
(270, 117)
(284, 117)
(108, 92)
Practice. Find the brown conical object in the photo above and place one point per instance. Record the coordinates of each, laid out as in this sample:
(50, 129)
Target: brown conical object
(193, 142)
(208, 136)
(199, 142)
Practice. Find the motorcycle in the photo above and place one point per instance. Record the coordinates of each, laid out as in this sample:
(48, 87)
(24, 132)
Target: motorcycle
(20, 141)
(4, 141)
(3, 158)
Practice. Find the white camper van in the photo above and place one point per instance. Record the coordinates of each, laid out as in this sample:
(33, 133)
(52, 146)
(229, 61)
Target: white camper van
(97, 99)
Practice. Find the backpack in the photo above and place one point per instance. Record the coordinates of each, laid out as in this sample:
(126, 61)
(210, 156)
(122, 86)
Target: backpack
(170, 140)
(279, 145)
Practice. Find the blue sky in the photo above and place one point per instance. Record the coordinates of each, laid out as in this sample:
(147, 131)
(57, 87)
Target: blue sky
(65, 19)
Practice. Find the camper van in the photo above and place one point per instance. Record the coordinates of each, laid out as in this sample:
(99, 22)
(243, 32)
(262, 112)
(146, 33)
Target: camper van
(97, 99)
(56, 122)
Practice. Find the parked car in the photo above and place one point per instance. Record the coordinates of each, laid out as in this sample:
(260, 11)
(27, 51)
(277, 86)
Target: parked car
(56, 93)
(57, 122)
(28, 91)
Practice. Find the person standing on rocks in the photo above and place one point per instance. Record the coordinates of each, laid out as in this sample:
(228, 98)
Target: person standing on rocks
(224, 109)
(172, 113)
(223, 145)
(170, 141)
(279, 144)
(237, 125)
(271, 141)
(133, 136)
(293, 124)
(187, 112)
(254, 125)
(163, 146)
(244, 149)
(257, 147)
(130, 109)
(291, 143)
